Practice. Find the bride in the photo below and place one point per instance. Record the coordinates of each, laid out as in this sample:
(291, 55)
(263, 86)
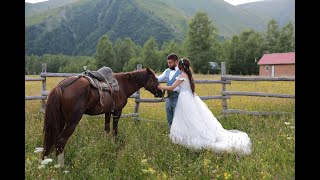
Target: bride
(194, 125)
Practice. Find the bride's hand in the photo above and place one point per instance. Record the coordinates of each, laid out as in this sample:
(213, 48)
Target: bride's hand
(159, 87)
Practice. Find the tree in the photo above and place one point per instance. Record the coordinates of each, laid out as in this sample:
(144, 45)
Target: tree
(225, 53)
(233, 55)
(286, 39)
(124, 51)
(216, 53)
(150, 53)
(245, 50)
(132, 64)
(104, 53)
(74, 64)
(271, 36)
(199, 41)
(33, 64)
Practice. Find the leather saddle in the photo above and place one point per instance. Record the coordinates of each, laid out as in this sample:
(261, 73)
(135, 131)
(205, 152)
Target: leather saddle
(103, 80)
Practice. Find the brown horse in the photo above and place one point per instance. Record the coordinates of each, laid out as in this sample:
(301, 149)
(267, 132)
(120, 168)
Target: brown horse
(74, 96)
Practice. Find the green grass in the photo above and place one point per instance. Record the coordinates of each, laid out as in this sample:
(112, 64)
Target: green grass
(144, 151)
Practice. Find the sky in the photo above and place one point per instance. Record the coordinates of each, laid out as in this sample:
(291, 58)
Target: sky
(233, 2)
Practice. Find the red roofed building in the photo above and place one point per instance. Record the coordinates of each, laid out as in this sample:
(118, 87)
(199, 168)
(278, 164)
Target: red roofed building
(277, 65)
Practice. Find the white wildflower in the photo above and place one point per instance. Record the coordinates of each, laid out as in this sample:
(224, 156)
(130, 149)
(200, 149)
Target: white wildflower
(46, 161)
(57, 166)
(38, 150)
(41, 166)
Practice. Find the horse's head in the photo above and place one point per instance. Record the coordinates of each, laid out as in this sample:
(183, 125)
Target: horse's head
(152, 83)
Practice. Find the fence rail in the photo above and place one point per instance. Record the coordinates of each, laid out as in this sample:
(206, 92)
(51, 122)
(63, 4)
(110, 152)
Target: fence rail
(58, 74)
(241, 78)
(237, 93)
(237, 111)
(225, 80)
(34, 79)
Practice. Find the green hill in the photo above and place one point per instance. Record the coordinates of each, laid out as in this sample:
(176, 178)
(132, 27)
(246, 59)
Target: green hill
(229, 19)
(282, 11)
(73, 27)
(32, 9)
(76, 28)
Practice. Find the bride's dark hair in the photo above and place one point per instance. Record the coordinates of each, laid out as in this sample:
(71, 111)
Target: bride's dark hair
(184, 64)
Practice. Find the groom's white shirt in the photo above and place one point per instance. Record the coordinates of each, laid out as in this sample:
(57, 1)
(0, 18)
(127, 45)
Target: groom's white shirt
(162, 77)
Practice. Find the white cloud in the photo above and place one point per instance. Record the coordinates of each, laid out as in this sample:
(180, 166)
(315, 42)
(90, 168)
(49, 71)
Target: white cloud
(236, 2)
(34, 1)
(233, 2)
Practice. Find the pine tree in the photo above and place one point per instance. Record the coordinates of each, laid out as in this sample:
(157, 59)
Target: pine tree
(150, 53)
(104, 53)
(124, 51)
(198, 42)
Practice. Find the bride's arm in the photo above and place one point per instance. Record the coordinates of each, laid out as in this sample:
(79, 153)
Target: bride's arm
(170, 88)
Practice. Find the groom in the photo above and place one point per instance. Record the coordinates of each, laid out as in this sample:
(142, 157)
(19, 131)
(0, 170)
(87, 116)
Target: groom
(170, 75)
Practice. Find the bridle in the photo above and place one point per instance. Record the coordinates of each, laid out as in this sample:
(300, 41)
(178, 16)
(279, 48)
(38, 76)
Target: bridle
(154, 85)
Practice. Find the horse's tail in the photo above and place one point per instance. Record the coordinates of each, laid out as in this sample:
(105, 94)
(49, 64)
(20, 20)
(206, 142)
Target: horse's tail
(54, 121)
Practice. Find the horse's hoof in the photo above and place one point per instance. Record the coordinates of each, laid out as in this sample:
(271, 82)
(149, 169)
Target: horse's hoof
(61, 159)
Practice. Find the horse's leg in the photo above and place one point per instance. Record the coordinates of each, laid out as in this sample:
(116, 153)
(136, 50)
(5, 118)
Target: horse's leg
(107, 122)
(116, 117)
(66, 133)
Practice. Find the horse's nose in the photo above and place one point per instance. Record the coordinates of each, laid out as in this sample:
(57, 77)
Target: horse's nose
(158, 94)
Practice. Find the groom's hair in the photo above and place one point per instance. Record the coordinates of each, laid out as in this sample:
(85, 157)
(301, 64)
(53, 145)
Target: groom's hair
(172, 56)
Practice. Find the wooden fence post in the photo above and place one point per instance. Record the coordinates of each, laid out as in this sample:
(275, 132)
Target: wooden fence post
(136, 107)
(224, 101)
(44, 87)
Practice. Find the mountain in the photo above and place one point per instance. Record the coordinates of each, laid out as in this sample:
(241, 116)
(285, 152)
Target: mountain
(228, 18)
(75, 29)
(282, 11)
(32, 9)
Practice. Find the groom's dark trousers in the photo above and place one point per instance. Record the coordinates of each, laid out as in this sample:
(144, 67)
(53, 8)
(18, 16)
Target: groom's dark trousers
(171, 102)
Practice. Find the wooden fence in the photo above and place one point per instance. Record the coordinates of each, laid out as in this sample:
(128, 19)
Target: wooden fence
(225, 79)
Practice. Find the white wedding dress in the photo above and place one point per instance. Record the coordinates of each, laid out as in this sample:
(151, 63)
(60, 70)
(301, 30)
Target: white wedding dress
(195, 127)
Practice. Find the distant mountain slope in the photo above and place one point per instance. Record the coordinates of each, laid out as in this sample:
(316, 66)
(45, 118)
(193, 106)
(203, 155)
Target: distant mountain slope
(35, 8)
(282, 11)
(229, 19)
(173, 16)
(74, 27)
(75, 30)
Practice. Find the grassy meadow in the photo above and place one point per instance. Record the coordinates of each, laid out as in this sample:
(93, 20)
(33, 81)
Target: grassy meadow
(144, 150)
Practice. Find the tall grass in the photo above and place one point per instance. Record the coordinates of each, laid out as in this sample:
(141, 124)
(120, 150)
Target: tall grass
(144, 151)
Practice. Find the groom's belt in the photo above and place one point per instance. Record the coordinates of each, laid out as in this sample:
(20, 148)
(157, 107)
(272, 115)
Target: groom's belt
(173, 94)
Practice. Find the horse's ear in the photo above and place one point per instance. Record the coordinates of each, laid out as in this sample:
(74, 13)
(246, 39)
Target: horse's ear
(148, 69)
